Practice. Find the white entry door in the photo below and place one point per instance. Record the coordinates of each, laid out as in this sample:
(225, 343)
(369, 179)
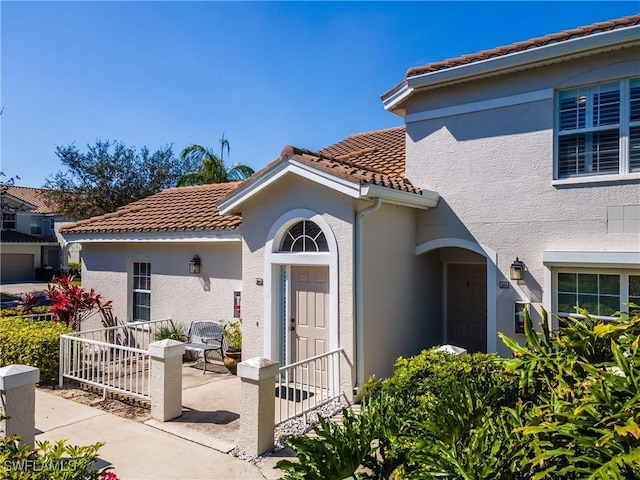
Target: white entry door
(309, 322)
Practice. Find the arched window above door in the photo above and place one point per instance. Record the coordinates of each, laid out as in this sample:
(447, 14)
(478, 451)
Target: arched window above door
(304, 236)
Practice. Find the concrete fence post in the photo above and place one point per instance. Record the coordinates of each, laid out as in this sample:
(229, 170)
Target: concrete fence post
(166, 379)
(18, 397)
(257, 404)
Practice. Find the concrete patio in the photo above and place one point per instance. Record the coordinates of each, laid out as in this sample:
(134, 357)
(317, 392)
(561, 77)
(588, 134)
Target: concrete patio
(193, 446)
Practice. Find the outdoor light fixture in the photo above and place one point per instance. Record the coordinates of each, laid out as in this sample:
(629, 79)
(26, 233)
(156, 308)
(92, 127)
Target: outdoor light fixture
(517, 270)
(194, 265)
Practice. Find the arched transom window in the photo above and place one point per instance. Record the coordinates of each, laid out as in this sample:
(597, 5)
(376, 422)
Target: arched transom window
(304, 236)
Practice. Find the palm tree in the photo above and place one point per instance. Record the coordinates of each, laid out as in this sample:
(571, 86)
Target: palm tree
(211, 166)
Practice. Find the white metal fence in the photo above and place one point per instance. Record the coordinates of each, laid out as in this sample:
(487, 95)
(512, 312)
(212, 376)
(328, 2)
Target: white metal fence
(113, 359)
(304, 386)
(39, 316)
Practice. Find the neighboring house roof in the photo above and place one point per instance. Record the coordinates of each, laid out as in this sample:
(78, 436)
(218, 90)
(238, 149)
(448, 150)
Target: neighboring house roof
(171, 210)
(12, 236)
(32, 196)
(369, 164)
(526, 54)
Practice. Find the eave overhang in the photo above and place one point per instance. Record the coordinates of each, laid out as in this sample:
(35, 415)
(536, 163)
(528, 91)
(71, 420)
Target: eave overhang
(233, 203)
(17, 205)
(428, 199)
(395, 100)
(187, 236)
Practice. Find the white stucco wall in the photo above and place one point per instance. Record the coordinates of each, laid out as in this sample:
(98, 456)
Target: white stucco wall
(107, 267)
(494, 172)
(394, 320)
(258, 216)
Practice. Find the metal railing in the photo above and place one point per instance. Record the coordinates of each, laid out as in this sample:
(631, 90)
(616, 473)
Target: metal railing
(306, 385)
(39, 316)
(114, 359)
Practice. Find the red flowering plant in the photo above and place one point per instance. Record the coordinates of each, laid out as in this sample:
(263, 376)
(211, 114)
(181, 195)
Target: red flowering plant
(27, 302)
(72, 304)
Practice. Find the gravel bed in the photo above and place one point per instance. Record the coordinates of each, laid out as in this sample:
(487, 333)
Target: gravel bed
(295, 426)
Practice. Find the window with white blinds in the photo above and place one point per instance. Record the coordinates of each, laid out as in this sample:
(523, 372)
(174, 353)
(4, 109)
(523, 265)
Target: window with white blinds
(141, 292)
(598, 129)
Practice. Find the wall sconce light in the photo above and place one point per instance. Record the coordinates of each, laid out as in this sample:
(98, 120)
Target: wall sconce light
(194, 265)
(516, 272)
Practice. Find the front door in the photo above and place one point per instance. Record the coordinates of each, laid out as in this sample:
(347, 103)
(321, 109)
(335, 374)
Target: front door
(467, 306)
(309, 322)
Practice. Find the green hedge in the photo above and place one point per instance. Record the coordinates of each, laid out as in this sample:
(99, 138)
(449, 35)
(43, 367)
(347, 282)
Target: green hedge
(34, 343)
(15, 312)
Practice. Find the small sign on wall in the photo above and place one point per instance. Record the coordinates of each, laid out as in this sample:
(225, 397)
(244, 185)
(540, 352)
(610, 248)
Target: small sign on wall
(503, 284)
(518, 316)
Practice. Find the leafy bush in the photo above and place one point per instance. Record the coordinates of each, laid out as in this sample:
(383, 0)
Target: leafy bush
(172, 332)
(75, 269)
(586, 414)
(233, 334)
(50, 461)
(398, 413)
(565, 407)
(17, 312)
(34, 343)
(72, 304)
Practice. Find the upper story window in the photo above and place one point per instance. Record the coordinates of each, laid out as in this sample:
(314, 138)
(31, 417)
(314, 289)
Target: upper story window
(304, 236)
(598, 130)
(36, 226)
(8, 221)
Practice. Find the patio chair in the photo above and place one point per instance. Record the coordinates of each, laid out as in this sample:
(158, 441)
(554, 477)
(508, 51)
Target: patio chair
(205, 336)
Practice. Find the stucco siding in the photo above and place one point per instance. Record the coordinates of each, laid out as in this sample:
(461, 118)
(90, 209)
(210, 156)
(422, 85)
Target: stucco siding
(259, 215)
(392, 290)
(174, 293)
(494, 171)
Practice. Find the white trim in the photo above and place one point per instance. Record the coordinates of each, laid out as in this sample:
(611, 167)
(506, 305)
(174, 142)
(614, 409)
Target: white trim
(596, 259)
(428, 199)
(598, 42)
(595, 178)
(287, 165)
(154, 237)
(492, 276)
(397, 97)
(535, 96)
(554, 52)
(273, 259)
(30, 244)
(25, 207)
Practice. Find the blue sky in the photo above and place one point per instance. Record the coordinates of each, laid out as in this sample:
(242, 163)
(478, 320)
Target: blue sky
(265, 74)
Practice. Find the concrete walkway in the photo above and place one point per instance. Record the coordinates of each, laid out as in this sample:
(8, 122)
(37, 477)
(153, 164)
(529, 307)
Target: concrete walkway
(191, 447)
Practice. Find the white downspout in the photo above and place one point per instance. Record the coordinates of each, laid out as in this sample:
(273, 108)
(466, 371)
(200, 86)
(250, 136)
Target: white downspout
(359, 281)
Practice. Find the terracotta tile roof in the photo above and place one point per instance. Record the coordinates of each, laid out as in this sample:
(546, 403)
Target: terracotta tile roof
(376, 157)
(31, 195)
(563, 36)
(173, 209)
(379, 150)
(527, 44)
(12, 236)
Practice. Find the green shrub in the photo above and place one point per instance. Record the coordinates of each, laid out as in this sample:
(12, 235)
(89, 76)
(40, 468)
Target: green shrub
(565, 407)
(172, 332)
(16, 312)
(34, 343)
(75, 269)
(50, 461)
